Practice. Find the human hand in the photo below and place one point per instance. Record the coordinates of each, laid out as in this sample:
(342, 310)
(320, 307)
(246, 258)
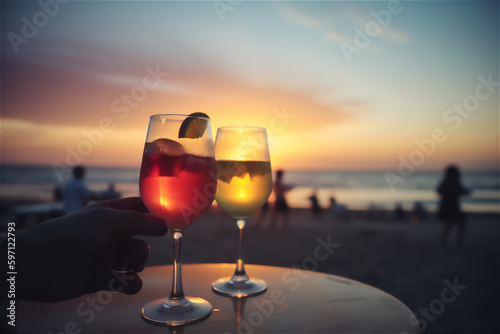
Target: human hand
(86, 251)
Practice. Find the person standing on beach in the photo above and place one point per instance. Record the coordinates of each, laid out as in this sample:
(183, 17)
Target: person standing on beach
(75, 193)
(281, 207)
(450, 189)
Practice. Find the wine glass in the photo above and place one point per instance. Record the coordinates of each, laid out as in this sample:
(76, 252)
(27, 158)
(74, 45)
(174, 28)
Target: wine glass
(244, 182)
(177, 183)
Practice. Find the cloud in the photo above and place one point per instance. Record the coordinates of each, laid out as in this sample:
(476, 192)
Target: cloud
(394, 35)
(295, 16)
(22, 133)
(166, 86)
(62, 104)
(69, 82)
(336, 36)
(361, 18)
(323, 26)
(25, 141)
(334, 29)
(96, 65)
(76, 86)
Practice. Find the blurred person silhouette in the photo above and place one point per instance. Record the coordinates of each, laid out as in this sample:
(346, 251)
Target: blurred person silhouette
(338, 210)
(281, 208)
(110, 193)
(57, 193)
(89, 250)
(450, 189)
(260, 217)
(315, 207)
(333, 204)
(399, 213)
(75, 194)
(419, 213)
(372, 212)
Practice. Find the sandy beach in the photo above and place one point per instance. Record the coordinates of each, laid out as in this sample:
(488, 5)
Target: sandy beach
(401, 258)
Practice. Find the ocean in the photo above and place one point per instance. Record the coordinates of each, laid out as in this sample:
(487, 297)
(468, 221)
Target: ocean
(355, 189)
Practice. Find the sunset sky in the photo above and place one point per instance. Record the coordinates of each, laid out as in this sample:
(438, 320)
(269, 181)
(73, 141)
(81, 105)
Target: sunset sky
(338, 85)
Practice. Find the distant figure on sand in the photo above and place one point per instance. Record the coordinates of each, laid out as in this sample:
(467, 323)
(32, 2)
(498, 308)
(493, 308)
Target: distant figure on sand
(57, 193)
(280, 205)
(419, 213)
(75, 193)
(450, 189)
(399, 212)
(110, 193)
(260, 217)
(338, 210)
(316, 209)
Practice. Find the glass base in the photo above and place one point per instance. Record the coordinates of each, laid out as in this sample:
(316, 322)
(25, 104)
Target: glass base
(228, 287)
(170, 312)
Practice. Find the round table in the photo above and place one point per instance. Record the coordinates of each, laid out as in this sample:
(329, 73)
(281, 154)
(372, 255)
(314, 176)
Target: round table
(296, 301)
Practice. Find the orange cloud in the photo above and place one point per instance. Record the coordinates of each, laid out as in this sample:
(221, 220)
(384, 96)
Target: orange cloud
(57, 106)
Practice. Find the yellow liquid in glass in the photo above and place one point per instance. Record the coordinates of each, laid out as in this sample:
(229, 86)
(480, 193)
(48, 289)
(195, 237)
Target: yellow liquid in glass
(243, 186)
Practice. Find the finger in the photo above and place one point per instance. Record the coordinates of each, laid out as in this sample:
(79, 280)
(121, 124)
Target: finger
(131, 254)
(121, 224)
(126, 282)
(134, 283)
(128, 204)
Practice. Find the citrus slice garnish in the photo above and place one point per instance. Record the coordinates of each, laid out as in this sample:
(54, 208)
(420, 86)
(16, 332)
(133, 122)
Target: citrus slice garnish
(193, 127)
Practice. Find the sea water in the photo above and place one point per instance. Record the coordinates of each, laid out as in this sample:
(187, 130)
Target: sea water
(358, 190)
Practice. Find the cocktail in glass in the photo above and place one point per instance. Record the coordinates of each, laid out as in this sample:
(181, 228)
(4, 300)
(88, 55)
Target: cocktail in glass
(244, 183)
(177, 183)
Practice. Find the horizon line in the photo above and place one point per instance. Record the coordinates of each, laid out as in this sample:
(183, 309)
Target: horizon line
(312, 169)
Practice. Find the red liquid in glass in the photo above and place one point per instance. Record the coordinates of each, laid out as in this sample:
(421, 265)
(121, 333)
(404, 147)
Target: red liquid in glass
(178, 189)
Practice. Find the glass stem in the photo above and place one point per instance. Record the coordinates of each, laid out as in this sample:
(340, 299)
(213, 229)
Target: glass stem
(177, 292)
(239, 273)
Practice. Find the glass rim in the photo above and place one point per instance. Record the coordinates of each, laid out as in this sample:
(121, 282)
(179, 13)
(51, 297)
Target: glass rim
(160, 116)
(238, 127)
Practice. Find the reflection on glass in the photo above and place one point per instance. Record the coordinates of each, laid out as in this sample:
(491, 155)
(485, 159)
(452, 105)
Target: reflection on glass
(239, 306)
